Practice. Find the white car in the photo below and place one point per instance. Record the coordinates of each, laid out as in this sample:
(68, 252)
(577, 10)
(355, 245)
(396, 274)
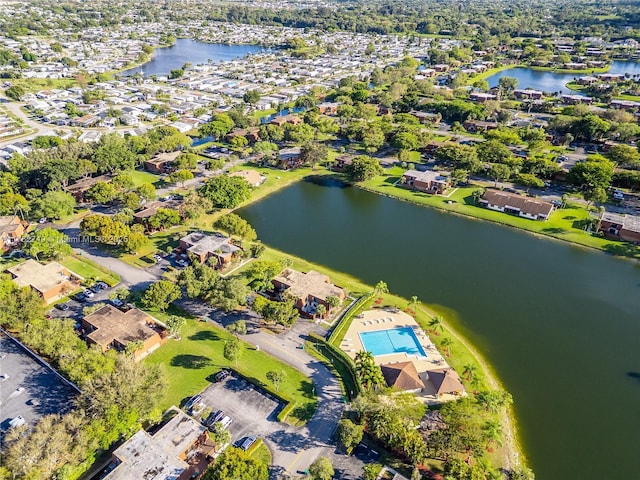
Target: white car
(117, 302)
(43, 220)
(88, 293)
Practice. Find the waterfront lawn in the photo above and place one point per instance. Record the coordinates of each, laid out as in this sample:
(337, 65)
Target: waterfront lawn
(191, 362)
(89, 269)
(565, 224)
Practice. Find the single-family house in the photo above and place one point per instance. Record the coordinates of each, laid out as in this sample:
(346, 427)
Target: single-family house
(289, 158)
(251, 134)
(163, 455)
(252, 177)
(290, 118)
(520, 205)
(162, 162)
(426, 117)
(203, 247)
(309, 289)
(328, 108)
(475, 126)
(11, 230)
(427, 181)
(620, 226)
(51, 281)
(342, 162)
(80, 187)
(110, 327)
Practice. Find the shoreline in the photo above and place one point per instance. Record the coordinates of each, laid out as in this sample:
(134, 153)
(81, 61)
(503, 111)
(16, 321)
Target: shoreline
(504, 224)
(514, 455)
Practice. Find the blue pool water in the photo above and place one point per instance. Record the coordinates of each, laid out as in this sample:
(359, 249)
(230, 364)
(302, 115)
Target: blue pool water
(394, 340)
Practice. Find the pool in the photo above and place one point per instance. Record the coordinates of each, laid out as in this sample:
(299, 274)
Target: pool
(394, 340)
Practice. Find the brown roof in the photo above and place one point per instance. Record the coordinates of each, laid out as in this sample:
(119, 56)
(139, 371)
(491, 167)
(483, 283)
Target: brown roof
(39, 277)
(164, 157)
(86, 183)
(152, 208)
(252, 176)
(112, 324)
(313, 283)
(527, 205)
(628, 222)
(402, 376)
(9, 224)
(446, 381)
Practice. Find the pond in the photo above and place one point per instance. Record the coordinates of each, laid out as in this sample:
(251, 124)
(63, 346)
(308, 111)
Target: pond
(554, 81)
(186, 50)
(560, 324)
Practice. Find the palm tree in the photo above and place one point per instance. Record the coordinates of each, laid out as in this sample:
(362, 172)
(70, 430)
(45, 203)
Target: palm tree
(321, 310)
(470, 371)
(380, 288)
(333, 302)
(435, 324)
(447, 343)
(492, 433)
(414, 302)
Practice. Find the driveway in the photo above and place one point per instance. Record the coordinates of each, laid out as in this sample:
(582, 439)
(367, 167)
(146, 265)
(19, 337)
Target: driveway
(295, 449)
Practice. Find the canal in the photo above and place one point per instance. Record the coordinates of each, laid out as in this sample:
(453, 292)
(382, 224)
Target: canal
(560, 324)
(186, 50)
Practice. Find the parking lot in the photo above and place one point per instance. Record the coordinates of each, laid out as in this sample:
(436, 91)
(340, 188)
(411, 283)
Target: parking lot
(252, 411)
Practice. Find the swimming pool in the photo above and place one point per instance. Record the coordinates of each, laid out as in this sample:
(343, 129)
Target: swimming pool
(393, 340)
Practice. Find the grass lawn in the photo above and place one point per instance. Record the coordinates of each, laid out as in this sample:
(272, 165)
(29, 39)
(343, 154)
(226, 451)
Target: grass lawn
(264, 113)
(565, 224)
(89, 269)
(35, 84)
(191, 362)
(260, 452)
(140, 176)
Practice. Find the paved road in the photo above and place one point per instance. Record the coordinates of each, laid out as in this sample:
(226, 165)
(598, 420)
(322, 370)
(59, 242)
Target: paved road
(316, 437)
(40, 128)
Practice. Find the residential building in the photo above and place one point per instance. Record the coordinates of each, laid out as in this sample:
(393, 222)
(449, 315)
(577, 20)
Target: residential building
(203, 247)
(308, 289)
(171, 453)
(342, 162)
(79, 188)
(152, 208)
(252, 177)
(475, 126)
(289, 158)
(427, 181)
(11, 230)
(51, 281)
(426, 117)
(620, 226)
(251, 134)
(520, 205)
(290, 118)
(110, 327)
(162, 162)
(481, 97)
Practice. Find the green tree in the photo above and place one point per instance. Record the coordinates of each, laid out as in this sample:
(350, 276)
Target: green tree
(363, 168)
(251, 97)
(101, 193)
(333, 302)
(380, 288)
(229, 294)
(405, 141)
(219, 435)
(113, 154)
(235, 464)
(349, 434)
(161, 294)
(279, 313)
(277, 378)
(175, 324)
(446, 344)
(235, 225)
(186, 161)
(198, 281)
(595, 172)
(321, 311)
(368, 372)
(233, 350)
(529, 180)
(499, 172)
(314, 153)
(436, 324)
(147, 192)
(194, 206)
(226, 192)
(15, 92)
(595, 195)
(239, 327)
(470, 371)
(180, 176)
(321, 469)
(507, 85)
(47, 244)
(624, 155)
(54, 205)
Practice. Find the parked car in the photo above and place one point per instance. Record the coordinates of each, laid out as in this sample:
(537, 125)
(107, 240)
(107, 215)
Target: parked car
(62, 306)
(192, 402)
(88, 293)
(43, 220)
(101, 285)
(221, 375)
(226, 421)
(157, 257)
(79, 297)
(245, 443)
(117, 302)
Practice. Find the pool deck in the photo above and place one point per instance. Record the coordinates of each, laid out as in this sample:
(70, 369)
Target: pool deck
(384, 319)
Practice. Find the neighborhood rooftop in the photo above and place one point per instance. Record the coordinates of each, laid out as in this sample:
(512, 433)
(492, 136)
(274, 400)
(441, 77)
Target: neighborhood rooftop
(311, 283)
(628, 222)
(112, 324)
(159, 456)
(202, 244)
(37, 276)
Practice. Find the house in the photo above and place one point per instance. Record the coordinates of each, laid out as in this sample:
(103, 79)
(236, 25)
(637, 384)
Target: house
(163, 455)
(162, 162)
(481, 97)
(426, 117)
(309, 289)
(402, 376)
(11, 229)
(251, 134)
(528, 94)
(203, 247)
(427, 181)
(342, 162)
(475, 126)
(51, 281)
(446, 382)
(328, 108)
(252, 177)
(110, 327)
(79, 188)
(289, 158)
(152, 208)
(290, 118)
(576, 99)
(620, 226)
(516, 204)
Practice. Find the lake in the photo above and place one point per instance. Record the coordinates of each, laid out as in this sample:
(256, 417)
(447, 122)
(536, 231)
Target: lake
(186, 50)
(560, 324)
(553, 81)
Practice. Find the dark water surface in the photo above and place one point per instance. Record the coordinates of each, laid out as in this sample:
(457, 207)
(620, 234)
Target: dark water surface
(186, 50)
(560, 324)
